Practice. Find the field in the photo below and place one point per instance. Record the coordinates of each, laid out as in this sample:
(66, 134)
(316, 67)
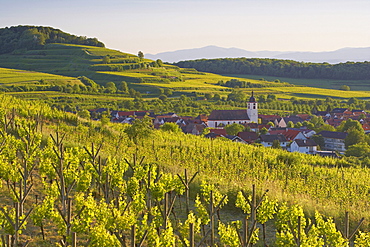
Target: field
(15, 77)
(60, 64)
(358, 85)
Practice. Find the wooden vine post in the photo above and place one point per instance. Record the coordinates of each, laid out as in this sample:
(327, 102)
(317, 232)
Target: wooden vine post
(186, 182)
(347, 233)
(247, 234)
(65, 190)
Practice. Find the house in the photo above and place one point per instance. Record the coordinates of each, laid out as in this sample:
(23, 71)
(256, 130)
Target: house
(214, 135)
(304, 117)
(334, 141)
(335, 122)
(221, 118)
(303, 146)
(340, 112)
(357, 113)
(249, 137)
(193, 128)
(257, 127)
(331, 154)
(366, 127)
(202, 118)
(267, 140)
(308, 133)
(293, 119)
(125, 116)
(218, 131)
(275, 119)
(235, 139)
(290, 134)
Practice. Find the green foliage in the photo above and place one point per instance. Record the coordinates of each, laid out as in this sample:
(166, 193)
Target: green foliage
(354, 136)
(234, 129)
(237, 95)
(362, 239)
(345, 88)
(280, 68)
(110, 87)
(361, 149)
(35, 37)
(276, 144)
(111, 188)
(349, 124)
(171, 127)
(140, 54)
(141, 128)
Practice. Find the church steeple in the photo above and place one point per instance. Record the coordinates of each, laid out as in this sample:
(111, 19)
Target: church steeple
(252, 99)
(252, 109)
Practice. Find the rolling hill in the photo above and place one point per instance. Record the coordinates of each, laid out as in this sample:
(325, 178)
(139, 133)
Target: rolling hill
(210, 52)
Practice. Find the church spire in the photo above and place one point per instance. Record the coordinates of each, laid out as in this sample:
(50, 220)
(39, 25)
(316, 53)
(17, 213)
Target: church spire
(252, 99)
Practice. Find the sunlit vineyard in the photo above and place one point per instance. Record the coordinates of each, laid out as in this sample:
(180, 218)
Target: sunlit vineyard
(73, 182)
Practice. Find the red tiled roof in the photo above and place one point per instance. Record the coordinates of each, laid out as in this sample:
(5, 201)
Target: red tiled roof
(218, 131)
(366, 126)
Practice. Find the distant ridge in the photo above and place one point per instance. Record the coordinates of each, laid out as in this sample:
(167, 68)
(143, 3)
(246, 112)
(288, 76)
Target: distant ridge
(210, 52)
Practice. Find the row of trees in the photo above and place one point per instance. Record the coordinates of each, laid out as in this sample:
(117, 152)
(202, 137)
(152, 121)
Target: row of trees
(281, 68)
(35, 37)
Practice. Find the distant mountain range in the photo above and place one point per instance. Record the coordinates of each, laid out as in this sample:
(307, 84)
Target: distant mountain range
(209, 52)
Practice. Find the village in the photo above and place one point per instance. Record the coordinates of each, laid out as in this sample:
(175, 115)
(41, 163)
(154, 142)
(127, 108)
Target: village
(293, 133)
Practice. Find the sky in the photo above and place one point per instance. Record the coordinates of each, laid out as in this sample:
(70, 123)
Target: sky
(153, 26)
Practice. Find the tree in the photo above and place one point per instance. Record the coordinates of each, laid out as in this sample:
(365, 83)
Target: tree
(345, 88)
(171, 127)
(261, 98)
(362, 116)
(234, 129)
(354, 136)
(271, 97)
(298, 125)
(122, 86)
(140, 55)
(263, 131)
(238, 96)
(319, 140)
(141, 128)
(110, 87)
(84, 114)
(349, 124)
(208, 96)
(290, 124)
(352, 101)
(162, 97)
(159, 62)
(106, 60)
(216, 97)
(323, 127)
(168, 91)
(361, 149)
(276, 144)
(317, 121)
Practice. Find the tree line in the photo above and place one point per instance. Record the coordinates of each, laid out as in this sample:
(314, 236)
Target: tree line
(281, 68)
(33, 37)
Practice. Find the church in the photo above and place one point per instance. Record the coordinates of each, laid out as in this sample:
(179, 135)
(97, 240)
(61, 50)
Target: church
(221, 118)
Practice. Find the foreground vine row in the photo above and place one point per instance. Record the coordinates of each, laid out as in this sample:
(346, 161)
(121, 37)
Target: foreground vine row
(76, 183)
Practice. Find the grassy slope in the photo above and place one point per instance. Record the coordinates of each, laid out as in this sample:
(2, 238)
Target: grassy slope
(63, 63)
(18, 77)
(357, 85)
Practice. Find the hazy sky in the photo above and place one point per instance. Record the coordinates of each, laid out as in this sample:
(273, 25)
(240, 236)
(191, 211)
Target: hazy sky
(166, 25)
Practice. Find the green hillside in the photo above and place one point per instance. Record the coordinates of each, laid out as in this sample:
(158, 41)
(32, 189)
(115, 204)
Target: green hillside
(55, 72)
(65, 178)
